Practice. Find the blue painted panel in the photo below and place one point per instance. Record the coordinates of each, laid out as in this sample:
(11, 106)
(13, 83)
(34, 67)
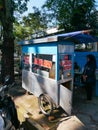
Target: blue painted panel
(40, 49)
(80, 58)
(47, 48)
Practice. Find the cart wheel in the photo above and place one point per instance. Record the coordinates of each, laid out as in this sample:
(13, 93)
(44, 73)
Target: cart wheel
(45, 104)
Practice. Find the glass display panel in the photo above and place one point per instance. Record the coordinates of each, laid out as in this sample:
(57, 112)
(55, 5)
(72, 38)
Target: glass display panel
(44, 65)
(26, 62)
(65, 70)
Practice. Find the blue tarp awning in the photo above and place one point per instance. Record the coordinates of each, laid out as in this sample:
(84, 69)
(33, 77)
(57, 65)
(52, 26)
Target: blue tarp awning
(76, 37)
(79, 37)
(84, 38)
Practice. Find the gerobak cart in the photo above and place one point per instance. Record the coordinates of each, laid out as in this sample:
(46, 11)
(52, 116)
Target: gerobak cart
(48, 71)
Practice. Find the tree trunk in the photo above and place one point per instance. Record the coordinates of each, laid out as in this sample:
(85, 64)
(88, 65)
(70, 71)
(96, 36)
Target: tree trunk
(7, 62)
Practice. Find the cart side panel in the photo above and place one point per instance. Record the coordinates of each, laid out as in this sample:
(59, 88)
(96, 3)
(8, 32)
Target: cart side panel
(66, 54)
(66, 99)
(37, 84)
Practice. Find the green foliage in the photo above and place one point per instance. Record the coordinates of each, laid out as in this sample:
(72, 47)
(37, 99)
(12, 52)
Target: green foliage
(72, 14)
(7, 19)
(32, 24)
(1, 4)
(20, 5)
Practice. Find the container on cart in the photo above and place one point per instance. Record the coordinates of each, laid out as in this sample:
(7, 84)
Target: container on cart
(47, 72)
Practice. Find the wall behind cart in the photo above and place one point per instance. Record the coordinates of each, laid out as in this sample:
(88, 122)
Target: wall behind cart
(82, 52)
(80, 58)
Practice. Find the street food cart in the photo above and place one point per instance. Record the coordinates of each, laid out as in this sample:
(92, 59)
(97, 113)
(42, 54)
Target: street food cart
(47, 71)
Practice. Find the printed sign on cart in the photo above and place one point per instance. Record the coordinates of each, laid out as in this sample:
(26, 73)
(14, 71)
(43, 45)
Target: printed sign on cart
(26, 61)
(65, 66)
(44, 65)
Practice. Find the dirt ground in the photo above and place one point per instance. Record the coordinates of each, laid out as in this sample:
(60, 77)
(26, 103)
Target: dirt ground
(18, 91)
(19, 95)
(84, 111)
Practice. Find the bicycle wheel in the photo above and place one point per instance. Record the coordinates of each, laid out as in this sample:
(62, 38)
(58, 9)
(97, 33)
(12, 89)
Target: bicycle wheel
(45, 104)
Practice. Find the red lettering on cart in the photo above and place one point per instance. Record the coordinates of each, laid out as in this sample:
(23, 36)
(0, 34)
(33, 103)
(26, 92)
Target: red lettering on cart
(36, 61)
(67, 67)
(66, 62)
(40, 62)
(44, 63)
(47, 64)
(26, 59)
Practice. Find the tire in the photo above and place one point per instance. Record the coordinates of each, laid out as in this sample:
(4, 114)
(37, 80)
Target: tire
(45, 104)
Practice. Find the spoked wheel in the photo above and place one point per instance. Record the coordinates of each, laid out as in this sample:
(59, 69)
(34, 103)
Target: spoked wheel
(45, 104)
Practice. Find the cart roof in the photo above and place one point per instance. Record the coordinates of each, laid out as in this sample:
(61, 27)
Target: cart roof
(75, 37)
